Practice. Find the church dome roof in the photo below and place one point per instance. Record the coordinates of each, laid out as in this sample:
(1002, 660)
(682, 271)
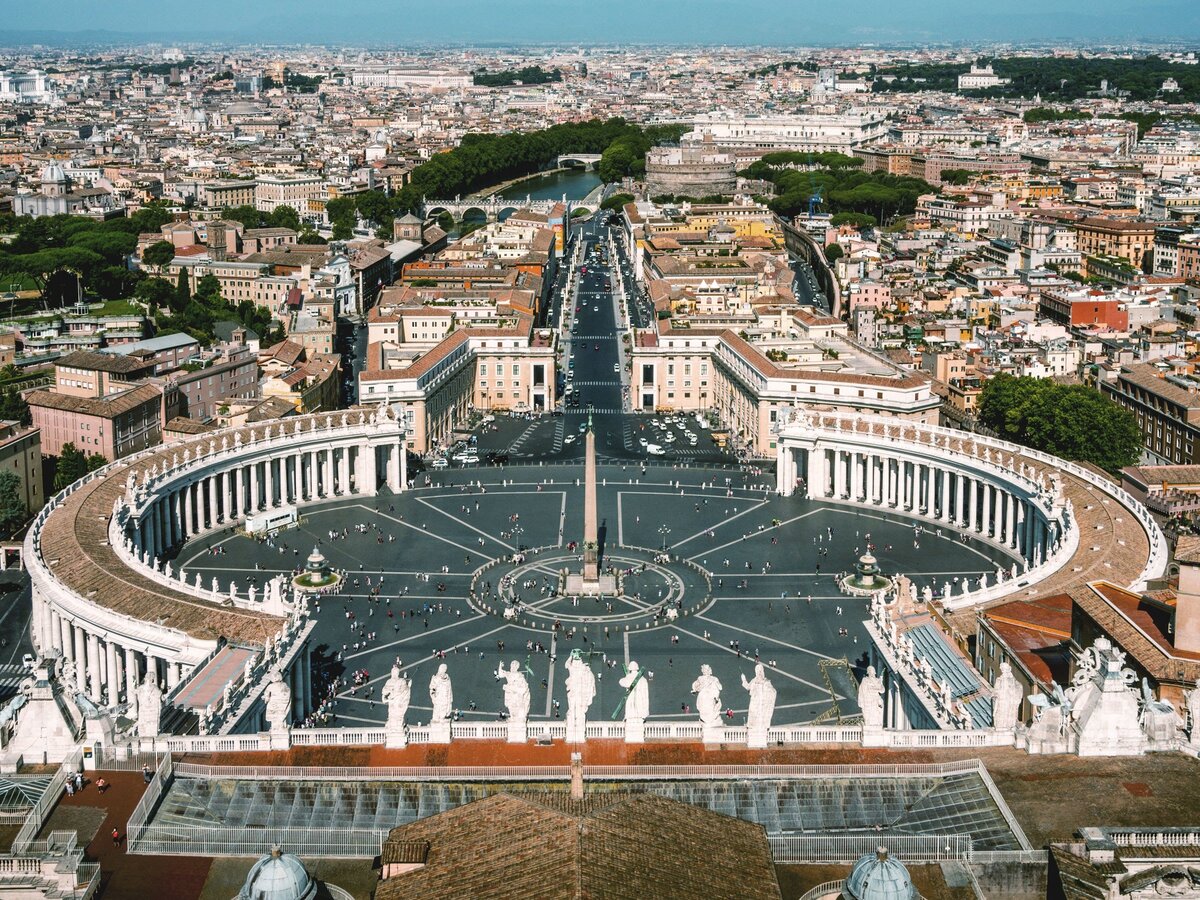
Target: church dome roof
(878, 876)
(54, 174)
(278, 876)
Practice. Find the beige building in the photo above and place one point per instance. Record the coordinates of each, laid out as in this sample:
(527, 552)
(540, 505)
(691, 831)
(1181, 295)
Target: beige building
(435, 368)
(21, 454)
(271, 191)
(745, 384)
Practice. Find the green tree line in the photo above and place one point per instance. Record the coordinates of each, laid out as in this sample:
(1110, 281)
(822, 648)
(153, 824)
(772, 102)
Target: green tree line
(524, 75)
(1053, 77)
(49, 252)
(1071, 421)
(844, 187)
(482, 160)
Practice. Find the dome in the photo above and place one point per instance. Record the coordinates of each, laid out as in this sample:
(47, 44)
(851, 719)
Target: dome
(879, 877)
(54, 174)
(278, 876)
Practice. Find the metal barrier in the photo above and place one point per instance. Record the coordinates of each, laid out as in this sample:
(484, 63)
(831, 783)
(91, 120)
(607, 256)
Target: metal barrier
(137, 826)
(197, 840)
(847, 848)
(825, 887)
(562, 773)
(49, 799)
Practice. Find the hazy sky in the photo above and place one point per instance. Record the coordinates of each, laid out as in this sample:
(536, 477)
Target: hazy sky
(799, 22)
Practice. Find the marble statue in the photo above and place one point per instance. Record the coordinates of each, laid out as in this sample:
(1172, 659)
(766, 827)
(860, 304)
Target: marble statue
(581, 691)
(516, 692)
(708, 697)
(870, 699)
(761, 708)
(278, 697)
(442, 694)
(1007, 699)
(150, 703)
(927, 594)
(396, 693)
(637, 694)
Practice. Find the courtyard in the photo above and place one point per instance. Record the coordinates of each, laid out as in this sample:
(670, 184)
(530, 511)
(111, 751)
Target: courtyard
(750, 576)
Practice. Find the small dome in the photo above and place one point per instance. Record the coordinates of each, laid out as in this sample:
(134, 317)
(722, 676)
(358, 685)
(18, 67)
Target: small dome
(879, 877)
(54, 174)
(278, 876)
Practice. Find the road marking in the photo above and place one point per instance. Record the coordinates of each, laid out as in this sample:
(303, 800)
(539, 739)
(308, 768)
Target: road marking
(553, 655)
(752, 534)
(750, 659)
(763, 637)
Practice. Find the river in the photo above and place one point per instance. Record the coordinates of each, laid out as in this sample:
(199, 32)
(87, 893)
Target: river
(575, 183)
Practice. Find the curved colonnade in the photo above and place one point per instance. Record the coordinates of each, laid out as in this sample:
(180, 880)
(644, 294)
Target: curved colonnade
(105, 596)
(1014, 498)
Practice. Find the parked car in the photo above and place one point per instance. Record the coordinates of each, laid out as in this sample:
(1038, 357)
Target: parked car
(655, 450)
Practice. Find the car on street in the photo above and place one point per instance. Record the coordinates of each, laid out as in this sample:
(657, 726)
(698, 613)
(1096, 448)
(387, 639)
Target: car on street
(569, 439)
(27, 660)
(616, 367)
(655, 450)
(582, 427)
(643, 442)
(440, 463)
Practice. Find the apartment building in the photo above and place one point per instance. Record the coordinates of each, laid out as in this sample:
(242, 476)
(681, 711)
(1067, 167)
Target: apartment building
(113, 425)
(1167, 409)
(21, 454)
(272, 191)
(1128, 239)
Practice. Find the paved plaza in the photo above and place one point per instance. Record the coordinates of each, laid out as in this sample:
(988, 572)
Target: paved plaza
(751, 575)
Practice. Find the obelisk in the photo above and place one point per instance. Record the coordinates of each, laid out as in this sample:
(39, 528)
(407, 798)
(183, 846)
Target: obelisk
(591, 545)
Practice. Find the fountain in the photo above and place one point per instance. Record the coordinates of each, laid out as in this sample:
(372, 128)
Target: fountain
(867, 579)
(317, 574)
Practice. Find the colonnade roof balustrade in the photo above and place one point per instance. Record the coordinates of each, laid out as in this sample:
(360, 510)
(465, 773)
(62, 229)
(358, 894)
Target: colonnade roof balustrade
(71, 536)
(1119, 540)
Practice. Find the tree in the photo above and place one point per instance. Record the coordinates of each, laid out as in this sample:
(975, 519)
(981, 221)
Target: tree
(308, 236)
(156, 293)
(957, 177)
(343, 216)
(834, 252)
(182, 293)
(858, 220)
(72, 465)
(13, 407)
(1071, 421)
(13, 513)
(284, 216)
(248, 215)
(96, 461)
(616, 202)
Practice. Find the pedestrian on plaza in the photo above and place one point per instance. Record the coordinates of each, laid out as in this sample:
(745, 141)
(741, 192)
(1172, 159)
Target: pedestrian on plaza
(147, 775)
(116, 836)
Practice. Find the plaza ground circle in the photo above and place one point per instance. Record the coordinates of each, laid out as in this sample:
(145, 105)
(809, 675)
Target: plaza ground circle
(653, 589)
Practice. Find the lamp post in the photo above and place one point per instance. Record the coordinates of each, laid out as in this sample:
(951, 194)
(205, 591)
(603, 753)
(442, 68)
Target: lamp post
(664, 531)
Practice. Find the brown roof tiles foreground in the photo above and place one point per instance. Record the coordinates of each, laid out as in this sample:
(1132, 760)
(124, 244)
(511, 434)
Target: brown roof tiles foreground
(614, 845)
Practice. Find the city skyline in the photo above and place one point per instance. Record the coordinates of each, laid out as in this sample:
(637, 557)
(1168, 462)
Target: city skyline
(618, 22)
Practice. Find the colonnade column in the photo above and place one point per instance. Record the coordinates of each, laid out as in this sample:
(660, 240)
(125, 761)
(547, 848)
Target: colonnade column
(131, 674)
(985, 520)
(110, 674)
(93, 653)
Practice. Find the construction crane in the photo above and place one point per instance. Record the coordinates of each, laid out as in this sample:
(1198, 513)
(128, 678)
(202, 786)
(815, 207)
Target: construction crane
(814, 200)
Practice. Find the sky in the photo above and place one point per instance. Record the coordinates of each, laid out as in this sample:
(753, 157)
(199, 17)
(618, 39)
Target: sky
(782, 22)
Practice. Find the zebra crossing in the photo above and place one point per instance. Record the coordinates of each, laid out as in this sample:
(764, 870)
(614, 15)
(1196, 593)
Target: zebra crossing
(516, 445)
(560, 430)
(594, 410)
(11, 676)
(609, 383)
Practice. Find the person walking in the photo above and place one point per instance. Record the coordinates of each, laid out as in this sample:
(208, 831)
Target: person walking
(116, 837)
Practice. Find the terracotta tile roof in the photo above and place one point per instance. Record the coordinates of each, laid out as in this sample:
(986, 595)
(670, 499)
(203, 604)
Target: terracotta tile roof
(102, 362)
(373, 372)
(105, 407)
(1138, 628)
(613, 845)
